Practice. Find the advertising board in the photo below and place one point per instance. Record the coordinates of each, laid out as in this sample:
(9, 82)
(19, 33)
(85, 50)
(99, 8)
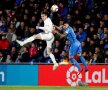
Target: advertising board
(66, 75)
(19, 75)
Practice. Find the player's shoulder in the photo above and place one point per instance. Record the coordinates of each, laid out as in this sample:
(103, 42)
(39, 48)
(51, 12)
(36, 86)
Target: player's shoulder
(48, 20)
(67, 30)
(70, 28)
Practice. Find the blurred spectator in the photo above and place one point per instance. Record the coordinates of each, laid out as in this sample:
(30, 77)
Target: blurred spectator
(69, 19)
(57, 54)
(63, 10)
(11, 36)
(106, 56)
(100, 34)
(84, 47)
(27, 31)
(94, 59)
(20, 30)
(64, 58)
(2, 59)
(32, 31)
(33, 22)
(57, 46)
(91, 32)
(18, 59)
(8, 59)
(89, 19)
(106, 20)
(14, 54)
(67, 46)
(91, 46)
(24, 54)
(99, 55)
(26, 20)
(81, 35)
(18, 2)
(4, 43)
(63, 55)
(33, 51)
(101, 45)
(96, 39)
(3, 26)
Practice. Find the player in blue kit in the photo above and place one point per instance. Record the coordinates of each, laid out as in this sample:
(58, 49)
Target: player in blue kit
(75, 46)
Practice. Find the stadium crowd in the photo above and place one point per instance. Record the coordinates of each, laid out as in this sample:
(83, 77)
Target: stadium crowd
(19, 18)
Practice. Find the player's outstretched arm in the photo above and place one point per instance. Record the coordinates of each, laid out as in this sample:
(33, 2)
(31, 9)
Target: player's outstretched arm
(58, 27)
(62, 35)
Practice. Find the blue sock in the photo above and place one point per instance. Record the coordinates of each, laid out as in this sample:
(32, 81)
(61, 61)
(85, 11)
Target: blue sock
(75, 63)
(83, 61)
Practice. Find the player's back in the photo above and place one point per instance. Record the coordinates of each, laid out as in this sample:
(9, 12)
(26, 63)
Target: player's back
(71, 36)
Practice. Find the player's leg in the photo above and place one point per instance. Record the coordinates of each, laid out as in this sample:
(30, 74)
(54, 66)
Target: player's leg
(52, 58)
(79, 51)
(72, 53)
(49, 46)
(71, 58)
(30, 39)
(83, 61)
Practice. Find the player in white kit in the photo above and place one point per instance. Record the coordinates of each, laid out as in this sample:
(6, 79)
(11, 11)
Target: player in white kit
(46, 35)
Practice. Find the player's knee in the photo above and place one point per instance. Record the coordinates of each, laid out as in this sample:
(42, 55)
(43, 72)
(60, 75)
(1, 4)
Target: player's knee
(48, 51)
(79, 54)
(37, 36)
(49, 54)
(73, 60)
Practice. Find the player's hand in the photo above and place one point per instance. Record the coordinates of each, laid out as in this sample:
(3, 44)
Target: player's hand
(37, 27)
(54, 26)
(54, 31)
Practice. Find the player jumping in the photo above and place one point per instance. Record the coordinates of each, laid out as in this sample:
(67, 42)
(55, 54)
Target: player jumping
(46, 35)
(75, 46)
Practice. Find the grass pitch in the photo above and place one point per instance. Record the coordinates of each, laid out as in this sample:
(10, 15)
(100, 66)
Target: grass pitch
(51, 88)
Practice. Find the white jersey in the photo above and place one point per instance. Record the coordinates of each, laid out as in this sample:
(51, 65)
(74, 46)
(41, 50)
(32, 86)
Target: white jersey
(48, 26)
(48, 35)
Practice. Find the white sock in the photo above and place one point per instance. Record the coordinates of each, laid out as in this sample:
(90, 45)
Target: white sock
(52, 58)
(30, 39)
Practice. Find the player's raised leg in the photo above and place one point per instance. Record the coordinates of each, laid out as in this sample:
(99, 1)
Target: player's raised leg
(30, 39)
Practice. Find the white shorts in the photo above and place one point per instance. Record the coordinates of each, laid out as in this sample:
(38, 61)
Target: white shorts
(49, 37)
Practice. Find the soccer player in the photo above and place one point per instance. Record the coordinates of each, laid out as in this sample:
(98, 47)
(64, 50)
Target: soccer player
(75, 46)
(46, 35)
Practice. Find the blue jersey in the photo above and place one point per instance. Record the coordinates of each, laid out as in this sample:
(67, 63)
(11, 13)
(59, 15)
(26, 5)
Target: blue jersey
(71, 35)
(75, 45)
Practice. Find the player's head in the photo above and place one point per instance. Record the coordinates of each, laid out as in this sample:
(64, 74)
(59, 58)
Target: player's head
(44, 15)
(65, 24)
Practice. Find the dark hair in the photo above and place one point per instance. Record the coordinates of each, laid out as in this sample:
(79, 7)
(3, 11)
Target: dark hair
(44, 12)
(65, 22)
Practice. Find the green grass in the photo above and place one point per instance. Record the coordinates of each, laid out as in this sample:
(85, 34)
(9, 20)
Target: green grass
(50, 88)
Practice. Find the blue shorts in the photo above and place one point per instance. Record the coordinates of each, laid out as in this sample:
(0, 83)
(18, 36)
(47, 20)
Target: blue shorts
(75, 48)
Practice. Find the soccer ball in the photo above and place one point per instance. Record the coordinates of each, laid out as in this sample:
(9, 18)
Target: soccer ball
(54, 8)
